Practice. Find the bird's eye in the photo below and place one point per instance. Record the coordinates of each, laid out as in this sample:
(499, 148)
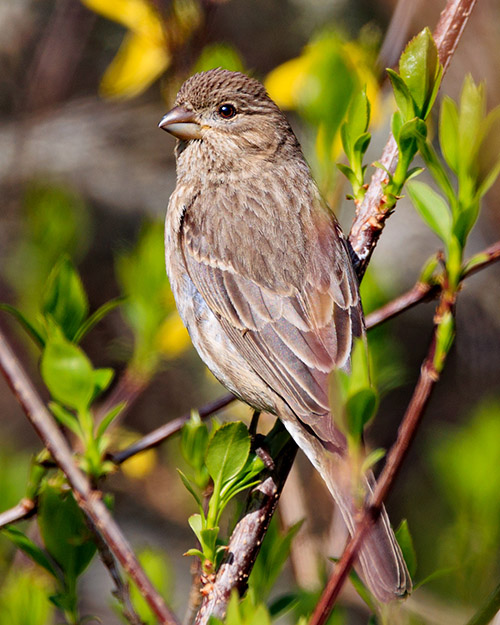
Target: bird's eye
(227, 111)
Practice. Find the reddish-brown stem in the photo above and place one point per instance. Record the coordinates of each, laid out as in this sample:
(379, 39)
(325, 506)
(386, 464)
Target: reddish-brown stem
(372, 214)
(424, 292)
(88, 499)
(157, 436)
(428, 378)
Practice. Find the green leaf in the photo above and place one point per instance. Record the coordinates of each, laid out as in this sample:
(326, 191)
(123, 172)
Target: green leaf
(470, 119)
(64, 298)
(448, 133)
(195, 552)
(208, 540)
(358, 118)
(95, 317)
(196, 523)
(102, 379)
(348, 173)
(66, 418)
(405, 541)
(478, 259)
(432, 208)
(31, 549)
(359, 377)
(410, 133)
(402, 96)
(68, 373)
(227, 452)
(64, 531)
(372, 458)
(194, 441)
(419, 69)
(428, 270)
(437, 169)
(187, 484)
(358, 115)
(109, 418)
(360, 408)
(27, 325)
(362, 143)
(489, 152)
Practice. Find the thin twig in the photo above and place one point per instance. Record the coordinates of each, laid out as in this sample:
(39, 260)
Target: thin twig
(424, 292)
(89, 500)
(20, 512)
(372, 214)
(420, 292)
(154, 438)
(421, 395)
(121, 592)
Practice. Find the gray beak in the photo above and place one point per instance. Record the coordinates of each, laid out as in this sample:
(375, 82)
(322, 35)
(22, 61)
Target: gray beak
(181, 123)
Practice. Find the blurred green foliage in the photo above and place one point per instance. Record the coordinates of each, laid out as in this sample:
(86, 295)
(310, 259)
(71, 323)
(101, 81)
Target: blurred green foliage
(464, 460)
(55, 222)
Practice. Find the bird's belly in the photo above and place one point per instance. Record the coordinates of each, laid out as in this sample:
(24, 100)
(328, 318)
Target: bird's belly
(212, 344)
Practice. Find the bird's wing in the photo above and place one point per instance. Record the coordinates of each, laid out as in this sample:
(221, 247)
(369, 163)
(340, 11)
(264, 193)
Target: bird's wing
(292, 316)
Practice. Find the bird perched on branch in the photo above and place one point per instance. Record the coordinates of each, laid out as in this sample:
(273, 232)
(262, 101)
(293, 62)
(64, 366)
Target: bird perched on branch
(263, 281)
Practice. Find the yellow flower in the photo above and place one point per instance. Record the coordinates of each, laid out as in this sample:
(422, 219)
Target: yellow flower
(146, 50)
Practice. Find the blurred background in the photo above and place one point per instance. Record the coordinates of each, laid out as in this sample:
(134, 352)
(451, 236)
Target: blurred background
(85, 172)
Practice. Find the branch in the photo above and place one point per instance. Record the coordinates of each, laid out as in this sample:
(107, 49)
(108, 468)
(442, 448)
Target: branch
(371, 215)
(88, 499)
(429, 375)
(154, 438)
(121, 592)
(425, 292)
(20, 512)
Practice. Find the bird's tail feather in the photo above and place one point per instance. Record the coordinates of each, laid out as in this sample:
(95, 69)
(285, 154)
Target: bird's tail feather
(380, 561)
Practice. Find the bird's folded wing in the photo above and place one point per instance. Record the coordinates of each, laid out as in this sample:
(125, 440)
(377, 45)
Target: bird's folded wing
(292, 341)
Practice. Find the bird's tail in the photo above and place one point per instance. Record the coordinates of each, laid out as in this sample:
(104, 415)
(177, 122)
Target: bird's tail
(380, 561)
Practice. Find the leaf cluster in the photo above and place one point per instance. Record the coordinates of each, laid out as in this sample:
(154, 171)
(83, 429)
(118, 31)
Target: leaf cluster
(225, 459)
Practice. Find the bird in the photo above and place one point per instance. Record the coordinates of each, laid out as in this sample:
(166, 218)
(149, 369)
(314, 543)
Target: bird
(263, 281)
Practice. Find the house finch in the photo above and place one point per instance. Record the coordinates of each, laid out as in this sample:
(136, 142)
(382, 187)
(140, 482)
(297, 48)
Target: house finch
(263, 281)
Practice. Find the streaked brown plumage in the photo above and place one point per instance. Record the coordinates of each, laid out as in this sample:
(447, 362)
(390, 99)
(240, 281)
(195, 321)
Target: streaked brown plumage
(263, 281)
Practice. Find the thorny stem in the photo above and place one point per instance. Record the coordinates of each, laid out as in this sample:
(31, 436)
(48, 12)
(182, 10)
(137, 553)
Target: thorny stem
(88, 499)
(372, 214)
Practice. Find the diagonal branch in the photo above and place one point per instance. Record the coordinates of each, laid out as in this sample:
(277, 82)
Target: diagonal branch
(429, 375)
(372, 214)
(426, 291)
(154, 438)
(88, 499)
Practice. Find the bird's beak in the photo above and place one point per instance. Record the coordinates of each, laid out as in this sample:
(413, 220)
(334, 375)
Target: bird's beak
(181, 123)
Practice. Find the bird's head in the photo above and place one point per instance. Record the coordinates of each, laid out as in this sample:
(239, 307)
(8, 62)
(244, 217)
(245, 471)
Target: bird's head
(229, 112)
